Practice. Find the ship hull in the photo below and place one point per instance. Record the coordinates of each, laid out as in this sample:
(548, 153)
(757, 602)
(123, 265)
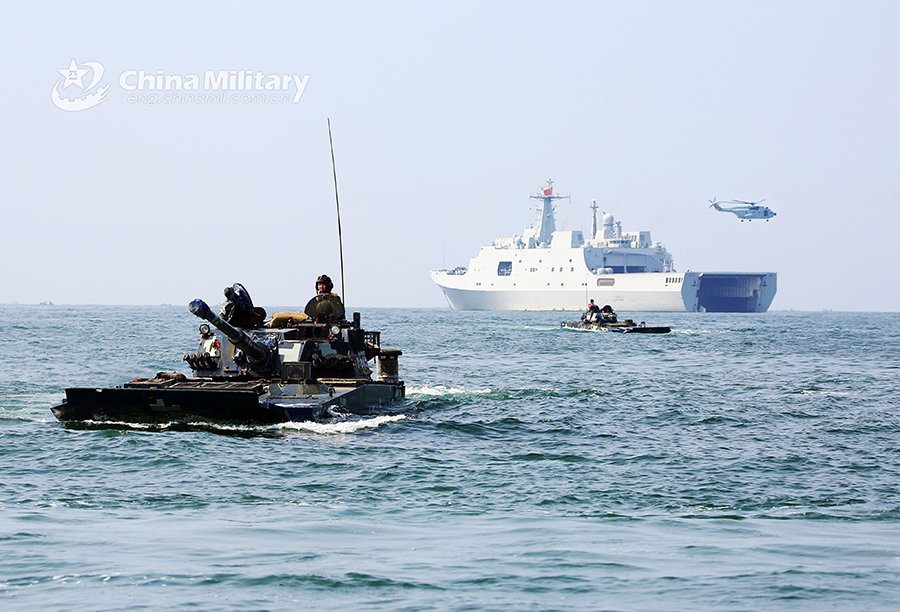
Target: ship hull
(647, 292)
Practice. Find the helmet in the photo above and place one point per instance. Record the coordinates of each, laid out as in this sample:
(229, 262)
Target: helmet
(326, 281)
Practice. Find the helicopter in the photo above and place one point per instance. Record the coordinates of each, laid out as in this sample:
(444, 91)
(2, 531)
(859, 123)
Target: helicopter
(747, 210)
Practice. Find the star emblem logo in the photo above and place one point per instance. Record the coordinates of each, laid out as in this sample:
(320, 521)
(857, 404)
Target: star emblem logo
(74, 75)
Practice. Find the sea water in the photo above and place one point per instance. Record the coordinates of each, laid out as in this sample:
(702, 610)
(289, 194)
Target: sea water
(741, 462)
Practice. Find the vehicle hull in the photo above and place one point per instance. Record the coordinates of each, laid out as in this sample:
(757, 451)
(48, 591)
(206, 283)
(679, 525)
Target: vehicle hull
(250, 403)
(628, 327)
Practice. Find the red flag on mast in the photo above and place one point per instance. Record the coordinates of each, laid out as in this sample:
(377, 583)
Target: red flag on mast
(548, 191)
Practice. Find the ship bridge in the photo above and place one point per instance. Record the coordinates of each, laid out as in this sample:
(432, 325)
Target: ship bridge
(612, 251)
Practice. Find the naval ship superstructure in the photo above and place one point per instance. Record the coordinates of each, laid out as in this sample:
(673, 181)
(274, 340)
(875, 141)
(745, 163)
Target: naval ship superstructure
(550, 269)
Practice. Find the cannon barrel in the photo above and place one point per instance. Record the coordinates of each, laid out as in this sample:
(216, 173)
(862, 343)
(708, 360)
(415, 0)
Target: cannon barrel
(255, 351)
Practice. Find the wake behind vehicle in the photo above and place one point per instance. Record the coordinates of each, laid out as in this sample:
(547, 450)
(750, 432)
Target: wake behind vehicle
(298, 366)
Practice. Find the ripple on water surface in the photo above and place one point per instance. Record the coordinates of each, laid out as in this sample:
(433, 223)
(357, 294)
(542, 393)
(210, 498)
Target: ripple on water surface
(740, 462)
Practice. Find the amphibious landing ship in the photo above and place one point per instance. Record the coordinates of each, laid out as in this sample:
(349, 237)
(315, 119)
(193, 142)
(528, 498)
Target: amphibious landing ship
(546, 269)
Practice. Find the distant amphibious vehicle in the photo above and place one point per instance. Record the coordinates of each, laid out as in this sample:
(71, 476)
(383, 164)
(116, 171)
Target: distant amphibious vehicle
(298, 366)
(604, 319)
(548, 269)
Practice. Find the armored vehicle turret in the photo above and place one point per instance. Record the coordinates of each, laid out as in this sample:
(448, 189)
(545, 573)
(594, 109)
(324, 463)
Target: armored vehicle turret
(246, 370)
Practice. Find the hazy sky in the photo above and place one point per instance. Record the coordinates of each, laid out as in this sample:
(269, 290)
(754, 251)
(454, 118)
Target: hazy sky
(445, 117)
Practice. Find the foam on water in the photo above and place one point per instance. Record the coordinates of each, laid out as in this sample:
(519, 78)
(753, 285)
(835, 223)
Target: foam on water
(340, 426)
(442, 391)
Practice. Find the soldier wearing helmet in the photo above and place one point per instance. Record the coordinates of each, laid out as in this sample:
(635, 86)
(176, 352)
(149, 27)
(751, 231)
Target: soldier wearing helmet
(325, 302)
(324, 284)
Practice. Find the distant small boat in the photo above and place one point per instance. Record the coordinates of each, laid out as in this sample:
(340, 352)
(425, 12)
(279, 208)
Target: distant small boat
(45, 304)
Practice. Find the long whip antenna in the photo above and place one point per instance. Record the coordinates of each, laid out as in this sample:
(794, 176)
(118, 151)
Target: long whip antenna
(338, 204)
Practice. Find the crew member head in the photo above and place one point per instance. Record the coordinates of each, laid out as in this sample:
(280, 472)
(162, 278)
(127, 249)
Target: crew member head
(324, 284)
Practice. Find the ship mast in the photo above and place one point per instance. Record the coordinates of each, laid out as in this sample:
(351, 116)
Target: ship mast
(546, 220)
(594, 219)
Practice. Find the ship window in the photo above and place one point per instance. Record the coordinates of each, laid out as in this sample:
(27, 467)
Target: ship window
(606, 282)
(553, 269)
(504, 269)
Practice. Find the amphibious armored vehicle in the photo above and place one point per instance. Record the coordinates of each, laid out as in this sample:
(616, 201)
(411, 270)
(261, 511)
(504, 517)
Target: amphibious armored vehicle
(298, 366)
(605, 319)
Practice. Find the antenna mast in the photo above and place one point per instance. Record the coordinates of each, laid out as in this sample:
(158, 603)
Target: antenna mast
(546, 219)
(338, 204)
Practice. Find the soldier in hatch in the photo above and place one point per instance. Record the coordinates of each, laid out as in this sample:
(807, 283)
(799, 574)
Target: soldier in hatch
(592, 314)
(325, 302)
